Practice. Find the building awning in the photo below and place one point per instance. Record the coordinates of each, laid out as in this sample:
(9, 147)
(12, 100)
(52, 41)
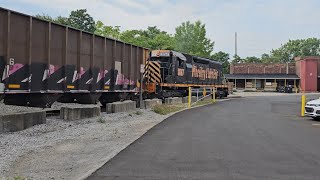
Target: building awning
(261, 76)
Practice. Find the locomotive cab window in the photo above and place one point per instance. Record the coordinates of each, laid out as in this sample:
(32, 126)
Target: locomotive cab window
(180, 63)
(189, 66)
(161, 59)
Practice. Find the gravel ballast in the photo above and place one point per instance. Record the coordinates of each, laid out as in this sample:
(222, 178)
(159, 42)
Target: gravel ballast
(71, 150)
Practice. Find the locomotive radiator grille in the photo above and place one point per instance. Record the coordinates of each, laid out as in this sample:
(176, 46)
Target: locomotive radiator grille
(152, 72)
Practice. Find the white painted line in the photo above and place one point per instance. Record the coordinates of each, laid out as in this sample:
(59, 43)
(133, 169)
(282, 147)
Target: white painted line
(315, 124)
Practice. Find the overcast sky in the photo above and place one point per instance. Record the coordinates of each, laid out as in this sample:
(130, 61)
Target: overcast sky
(261, 24)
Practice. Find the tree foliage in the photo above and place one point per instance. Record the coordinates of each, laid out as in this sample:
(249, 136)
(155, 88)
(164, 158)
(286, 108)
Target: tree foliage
(45, 17)
(191, 38)
(224, 59)
(287, 52)
(236, 59)
(80, 19)
(62, 20)
(151, 38)
(295, 48)
(107, 31)
(252, 59)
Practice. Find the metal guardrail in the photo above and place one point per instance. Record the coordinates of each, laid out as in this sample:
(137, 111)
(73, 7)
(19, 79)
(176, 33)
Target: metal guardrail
(204, 95)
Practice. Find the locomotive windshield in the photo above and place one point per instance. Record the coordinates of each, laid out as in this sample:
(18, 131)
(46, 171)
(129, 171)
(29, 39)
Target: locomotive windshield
(160, 59)
(163, 56)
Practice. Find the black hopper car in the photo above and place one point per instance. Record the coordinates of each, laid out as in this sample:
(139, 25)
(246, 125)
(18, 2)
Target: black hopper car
(42, 62)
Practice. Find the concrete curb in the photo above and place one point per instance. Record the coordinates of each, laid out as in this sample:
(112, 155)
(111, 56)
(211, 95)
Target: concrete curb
(78, 113)
(124, 106)
(20, 121)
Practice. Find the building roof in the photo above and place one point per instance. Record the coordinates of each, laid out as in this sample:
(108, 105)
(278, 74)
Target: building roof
(261, 76)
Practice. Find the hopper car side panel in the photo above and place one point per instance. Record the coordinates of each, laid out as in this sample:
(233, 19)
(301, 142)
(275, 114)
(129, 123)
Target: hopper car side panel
(42, 61)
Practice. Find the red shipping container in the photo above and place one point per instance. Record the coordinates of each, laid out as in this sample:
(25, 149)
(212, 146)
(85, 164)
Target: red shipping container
(309, 74)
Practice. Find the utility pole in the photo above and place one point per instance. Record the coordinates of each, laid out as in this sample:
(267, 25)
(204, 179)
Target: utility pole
(235, 45)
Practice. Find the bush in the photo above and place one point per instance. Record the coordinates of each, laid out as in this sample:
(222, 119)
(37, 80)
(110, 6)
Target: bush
(101, 120)
(138, 113)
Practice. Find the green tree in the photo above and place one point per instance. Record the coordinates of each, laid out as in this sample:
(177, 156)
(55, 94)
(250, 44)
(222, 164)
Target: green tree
(157, 39)
(152, 38)
(295, 48)
(151, 32)
(62, 20)
(107, 31)
(224, 59)
(252, 59)
(45, 17)
(236, 59)
(266, 58)
(191, 38)
(80, 19)
(162, 41)
(59, 19)
(134, 37)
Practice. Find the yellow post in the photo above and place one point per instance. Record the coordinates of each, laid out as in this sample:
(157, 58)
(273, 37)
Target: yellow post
(213, 95)
(285, 82)
(303, 104)
(189, 97)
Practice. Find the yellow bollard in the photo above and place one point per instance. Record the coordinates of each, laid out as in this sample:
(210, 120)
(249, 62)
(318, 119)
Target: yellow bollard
(303, 104)
(213, 95)
(189, 97)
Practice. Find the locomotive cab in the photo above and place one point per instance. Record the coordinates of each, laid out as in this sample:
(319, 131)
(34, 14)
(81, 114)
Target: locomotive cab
(172, 65)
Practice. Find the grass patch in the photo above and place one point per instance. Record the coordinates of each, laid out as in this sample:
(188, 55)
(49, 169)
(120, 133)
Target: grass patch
(138, 113)
(101, 120)
(203, 102)
(165, 109)
(19, 178)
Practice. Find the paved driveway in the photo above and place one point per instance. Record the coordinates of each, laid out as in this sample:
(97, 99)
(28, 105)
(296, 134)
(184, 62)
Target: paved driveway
(248, 138)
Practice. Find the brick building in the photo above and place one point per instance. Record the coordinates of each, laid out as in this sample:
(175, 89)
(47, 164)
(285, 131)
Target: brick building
(267, 77)
(302, 75)
(308, 69)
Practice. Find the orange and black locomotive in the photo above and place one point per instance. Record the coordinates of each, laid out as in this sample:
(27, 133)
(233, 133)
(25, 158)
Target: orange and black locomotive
(170, 73)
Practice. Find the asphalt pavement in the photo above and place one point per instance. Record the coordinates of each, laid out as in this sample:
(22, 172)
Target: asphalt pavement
(247, 138)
